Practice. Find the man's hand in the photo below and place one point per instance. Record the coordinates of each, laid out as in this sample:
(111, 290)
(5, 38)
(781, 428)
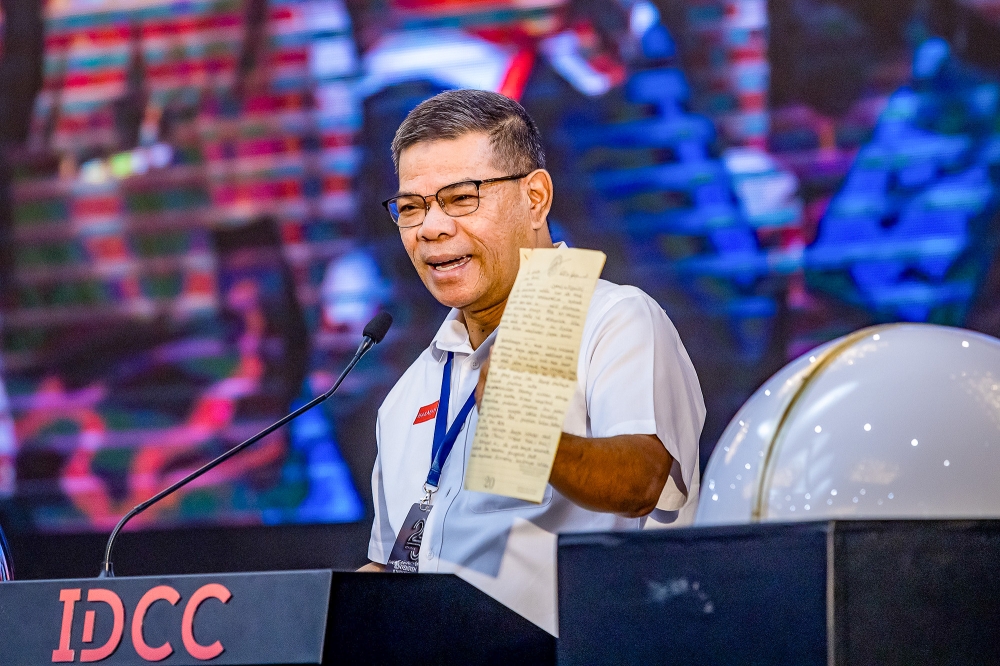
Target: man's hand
(481, 386)
(372, 567)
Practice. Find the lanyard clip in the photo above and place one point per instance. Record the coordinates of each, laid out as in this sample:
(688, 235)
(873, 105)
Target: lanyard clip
(425, 501)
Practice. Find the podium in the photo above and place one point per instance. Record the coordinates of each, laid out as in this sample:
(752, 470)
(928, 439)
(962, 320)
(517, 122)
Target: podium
(292, 617)
(829, 593)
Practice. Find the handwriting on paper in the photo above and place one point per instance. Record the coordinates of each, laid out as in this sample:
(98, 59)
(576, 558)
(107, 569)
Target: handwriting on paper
(532, 372)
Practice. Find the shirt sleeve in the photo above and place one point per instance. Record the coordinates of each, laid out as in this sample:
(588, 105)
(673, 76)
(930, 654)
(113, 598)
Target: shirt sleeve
(640, 381)
(382, 539)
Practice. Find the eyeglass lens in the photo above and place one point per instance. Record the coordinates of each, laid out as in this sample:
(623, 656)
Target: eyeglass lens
(456, 200)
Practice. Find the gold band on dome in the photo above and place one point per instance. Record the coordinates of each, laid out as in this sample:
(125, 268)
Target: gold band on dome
(822, 363)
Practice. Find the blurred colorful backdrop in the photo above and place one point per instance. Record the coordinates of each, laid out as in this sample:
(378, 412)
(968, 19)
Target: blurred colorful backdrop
(191, 241)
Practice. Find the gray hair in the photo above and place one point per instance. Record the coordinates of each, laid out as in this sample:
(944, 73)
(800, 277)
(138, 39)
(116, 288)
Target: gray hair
(517, 146)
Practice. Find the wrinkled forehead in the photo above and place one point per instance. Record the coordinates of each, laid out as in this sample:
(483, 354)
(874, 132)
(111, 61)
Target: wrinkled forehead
(426, 166)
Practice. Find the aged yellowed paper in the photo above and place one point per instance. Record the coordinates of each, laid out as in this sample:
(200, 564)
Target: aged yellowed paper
(532, 372)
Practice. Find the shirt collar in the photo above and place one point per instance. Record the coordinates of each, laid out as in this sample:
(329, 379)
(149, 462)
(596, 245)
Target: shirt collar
(454, 337)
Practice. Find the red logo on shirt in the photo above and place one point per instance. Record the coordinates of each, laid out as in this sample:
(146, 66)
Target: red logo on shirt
(426, 413)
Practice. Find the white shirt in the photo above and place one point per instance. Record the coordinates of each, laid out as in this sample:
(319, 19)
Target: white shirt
(634, 377)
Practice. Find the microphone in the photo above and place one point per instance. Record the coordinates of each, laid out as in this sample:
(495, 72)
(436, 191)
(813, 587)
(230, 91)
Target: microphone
(6, 561)
(378, 327)
(374, 332)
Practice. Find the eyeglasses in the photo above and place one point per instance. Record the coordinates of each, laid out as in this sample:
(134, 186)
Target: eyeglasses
(456, 200)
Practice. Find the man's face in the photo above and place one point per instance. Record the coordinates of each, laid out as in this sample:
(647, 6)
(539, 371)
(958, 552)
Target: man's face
(469, 261)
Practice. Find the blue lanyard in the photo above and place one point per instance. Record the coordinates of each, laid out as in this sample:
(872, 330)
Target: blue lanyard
(444, 437)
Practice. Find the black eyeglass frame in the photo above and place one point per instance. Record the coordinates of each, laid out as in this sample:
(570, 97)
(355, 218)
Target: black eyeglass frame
(436, 197)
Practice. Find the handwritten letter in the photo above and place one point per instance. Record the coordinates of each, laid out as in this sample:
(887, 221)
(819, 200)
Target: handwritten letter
(532, 373)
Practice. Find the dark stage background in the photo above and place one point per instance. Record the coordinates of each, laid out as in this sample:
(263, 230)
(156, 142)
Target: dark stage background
(190, 236)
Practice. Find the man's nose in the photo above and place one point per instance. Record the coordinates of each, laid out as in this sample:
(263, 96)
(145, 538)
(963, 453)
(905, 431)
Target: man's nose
(437, 223)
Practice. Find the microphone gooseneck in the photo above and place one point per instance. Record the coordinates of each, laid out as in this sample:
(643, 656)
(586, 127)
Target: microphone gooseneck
(374, 332)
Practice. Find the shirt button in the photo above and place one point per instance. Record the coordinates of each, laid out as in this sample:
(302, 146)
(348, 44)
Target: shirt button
(430, 554)
(475, 365)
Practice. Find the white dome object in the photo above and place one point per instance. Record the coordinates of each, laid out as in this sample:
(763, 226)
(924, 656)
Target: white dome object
(895, 421)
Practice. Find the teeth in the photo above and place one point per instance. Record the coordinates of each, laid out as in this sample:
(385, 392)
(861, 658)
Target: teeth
(449, 265)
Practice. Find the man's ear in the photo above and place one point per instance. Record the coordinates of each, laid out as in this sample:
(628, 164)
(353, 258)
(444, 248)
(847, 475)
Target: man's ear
(539, 184)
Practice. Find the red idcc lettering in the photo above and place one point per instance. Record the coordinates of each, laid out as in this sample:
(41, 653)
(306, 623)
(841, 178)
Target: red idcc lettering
(68, 599)
(88, 626)
(106, 650)
(195, 649)
(426, 413)
(158, 593)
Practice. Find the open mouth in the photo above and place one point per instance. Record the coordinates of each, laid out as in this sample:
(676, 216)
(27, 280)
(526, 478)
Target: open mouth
(451, 264)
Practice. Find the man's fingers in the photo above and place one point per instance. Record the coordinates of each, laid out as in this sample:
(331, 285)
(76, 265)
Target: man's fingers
(481, 386)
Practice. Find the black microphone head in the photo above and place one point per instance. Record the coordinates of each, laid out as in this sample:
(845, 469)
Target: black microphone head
(378, 327)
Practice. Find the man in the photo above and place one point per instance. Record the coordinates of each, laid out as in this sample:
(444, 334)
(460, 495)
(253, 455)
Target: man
(473, 191)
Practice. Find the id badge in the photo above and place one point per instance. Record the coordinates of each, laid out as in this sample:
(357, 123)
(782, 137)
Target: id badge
(406, 550)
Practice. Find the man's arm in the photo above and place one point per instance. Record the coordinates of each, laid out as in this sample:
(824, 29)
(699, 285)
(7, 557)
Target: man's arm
(372, 567)
(624, 474)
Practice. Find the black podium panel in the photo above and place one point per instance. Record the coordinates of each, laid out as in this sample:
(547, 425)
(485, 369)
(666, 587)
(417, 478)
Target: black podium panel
(245, 618)
(426, 619)
(914, 592)
(250, 619)
(856, 592)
